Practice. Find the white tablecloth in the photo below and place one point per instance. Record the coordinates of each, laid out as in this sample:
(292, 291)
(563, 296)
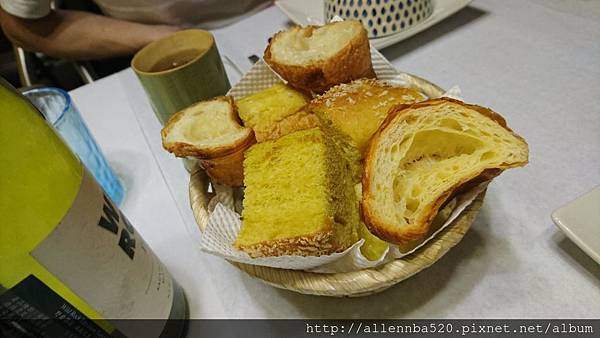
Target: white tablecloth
(536, 62)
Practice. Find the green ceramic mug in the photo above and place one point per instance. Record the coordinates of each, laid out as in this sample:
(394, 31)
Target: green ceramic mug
(179, 70)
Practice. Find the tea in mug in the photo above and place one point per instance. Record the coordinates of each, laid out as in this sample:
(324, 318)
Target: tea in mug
(175, 60)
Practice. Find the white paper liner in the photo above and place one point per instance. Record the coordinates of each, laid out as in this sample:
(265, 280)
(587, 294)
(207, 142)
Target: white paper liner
(224, 223)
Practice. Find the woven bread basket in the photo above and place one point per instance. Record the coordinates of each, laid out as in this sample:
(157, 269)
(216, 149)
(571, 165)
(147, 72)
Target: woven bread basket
(351, 284)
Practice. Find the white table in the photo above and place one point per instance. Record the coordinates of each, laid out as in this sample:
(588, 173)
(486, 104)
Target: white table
(536, 62)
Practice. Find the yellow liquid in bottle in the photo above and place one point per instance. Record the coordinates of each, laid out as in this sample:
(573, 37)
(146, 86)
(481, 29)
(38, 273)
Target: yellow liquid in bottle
(39, 179)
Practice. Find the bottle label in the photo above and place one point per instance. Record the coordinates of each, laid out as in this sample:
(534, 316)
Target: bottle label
(49, 315)
(96, 252)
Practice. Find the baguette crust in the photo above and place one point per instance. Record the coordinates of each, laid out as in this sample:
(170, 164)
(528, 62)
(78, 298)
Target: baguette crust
(228, 169)
(418, 230)
(183, 149)
(350, 63)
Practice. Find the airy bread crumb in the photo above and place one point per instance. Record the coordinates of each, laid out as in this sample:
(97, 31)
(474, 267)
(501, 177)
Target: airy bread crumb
(423, 155)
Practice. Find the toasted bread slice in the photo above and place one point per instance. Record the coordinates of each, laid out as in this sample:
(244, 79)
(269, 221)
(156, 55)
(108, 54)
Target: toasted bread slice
(262, 110)
(423, 154)
(358, 108)
(210, 131)
(206, 129)
(315, 58)
(298, 199)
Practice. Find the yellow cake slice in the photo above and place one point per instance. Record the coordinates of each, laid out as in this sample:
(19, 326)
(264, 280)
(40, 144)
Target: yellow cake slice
(358, 108)
(299, 197)
(261, 111)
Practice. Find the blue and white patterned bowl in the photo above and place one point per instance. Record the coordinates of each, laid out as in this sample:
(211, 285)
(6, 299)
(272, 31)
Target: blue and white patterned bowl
(381, 17)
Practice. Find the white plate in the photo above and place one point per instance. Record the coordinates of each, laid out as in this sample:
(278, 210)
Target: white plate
(311, 12)
(580, 221)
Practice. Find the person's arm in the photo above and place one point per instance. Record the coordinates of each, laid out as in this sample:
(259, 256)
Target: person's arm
(80, 35)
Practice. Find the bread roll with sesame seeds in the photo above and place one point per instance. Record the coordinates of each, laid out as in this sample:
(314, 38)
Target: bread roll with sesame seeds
(357, 108)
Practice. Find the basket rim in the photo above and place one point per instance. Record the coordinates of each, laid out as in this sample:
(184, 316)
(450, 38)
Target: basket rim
(368, 281)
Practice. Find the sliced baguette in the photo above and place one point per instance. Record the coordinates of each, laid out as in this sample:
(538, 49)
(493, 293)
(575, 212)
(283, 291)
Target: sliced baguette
(206, 129)
(315, 58)
(423, 155)
(210, 131)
